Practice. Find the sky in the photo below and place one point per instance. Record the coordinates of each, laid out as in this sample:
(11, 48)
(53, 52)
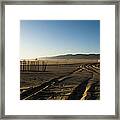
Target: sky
(44, 38)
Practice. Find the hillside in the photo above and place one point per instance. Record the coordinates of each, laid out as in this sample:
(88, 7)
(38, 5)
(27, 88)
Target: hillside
(76, 56)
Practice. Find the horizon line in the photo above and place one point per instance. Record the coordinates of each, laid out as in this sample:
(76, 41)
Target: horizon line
(59, 55)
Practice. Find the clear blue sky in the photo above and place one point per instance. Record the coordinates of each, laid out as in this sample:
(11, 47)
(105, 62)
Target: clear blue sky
(42, 38)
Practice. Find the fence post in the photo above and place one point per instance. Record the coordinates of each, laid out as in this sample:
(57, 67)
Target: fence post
(24, 62)
(28, 65)
(38, 65)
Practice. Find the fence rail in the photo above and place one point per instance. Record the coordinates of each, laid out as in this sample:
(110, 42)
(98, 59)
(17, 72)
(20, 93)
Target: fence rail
(33, 65)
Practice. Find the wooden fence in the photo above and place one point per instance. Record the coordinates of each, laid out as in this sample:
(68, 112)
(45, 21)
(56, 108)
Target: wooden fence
(33, 65)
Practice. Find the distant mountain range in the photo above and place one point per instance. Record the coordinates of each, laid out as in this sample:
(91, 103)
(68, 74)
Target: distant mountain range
(75, 56)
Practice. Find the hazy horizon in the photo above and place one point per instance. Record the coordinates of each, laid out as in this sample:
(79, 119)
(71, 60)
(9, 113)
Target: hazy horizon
(44, 57)
(46, 38)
